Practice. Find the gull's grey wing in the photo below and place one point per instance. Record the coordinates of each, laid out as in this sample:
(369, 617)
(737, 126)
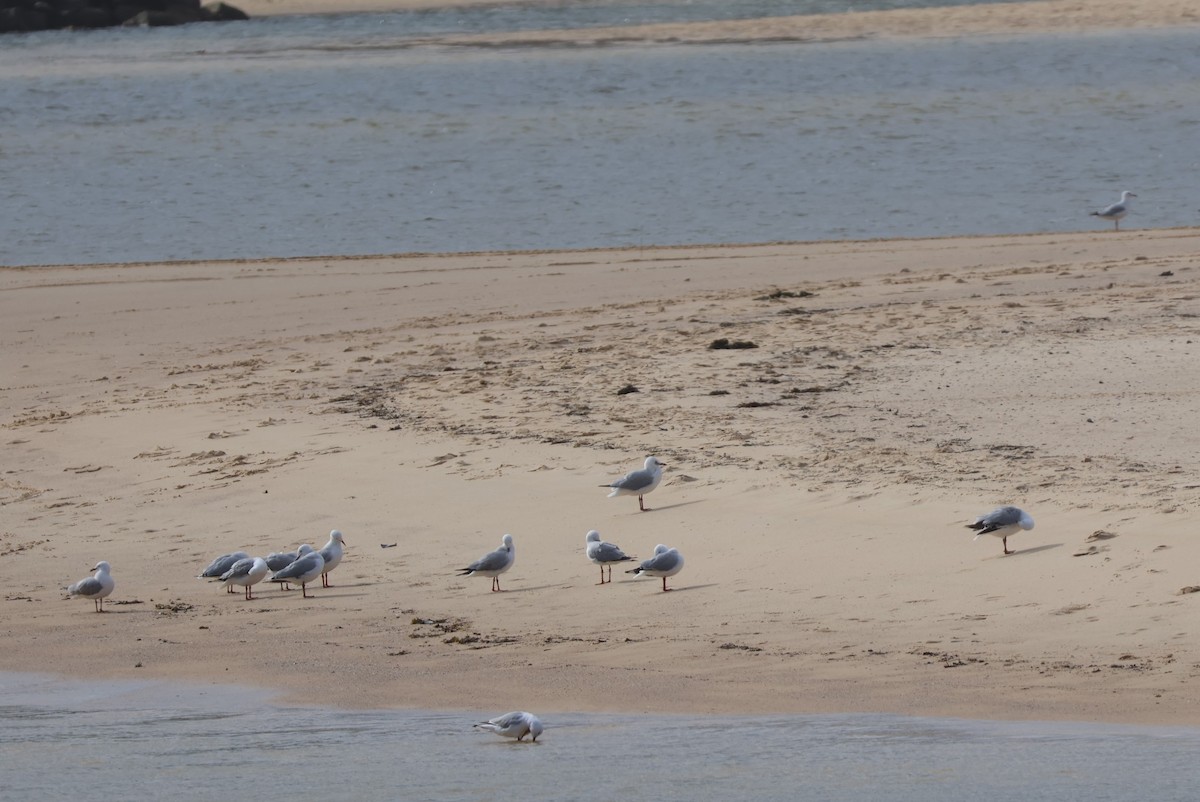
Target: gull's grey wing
(239, 569)
(490, 562)
(222, 564)
(997, 519)
(86, 587)
(300, 567)
(661, 562)
(609, 553)
(281, 559)
(634, 480)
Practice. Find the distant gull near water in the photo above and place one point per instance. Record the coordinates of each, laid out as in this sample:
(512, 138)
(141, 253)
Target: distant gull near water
(516, 724)
(665, 562)
(96, 587)
(638, 483)
(603, 553)
(1117, 210)
(1002, 522)
(493, 563)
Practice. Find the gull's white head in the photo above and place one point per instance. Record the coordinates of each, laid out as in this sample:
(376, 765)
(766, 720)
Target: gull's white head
(535, 726)
(661, 548)
(593, 536)
(102, 566)
(304, 549)
(336, 534)
(1126, 194)
(1026, 521)
(652, 464)
(508, 542)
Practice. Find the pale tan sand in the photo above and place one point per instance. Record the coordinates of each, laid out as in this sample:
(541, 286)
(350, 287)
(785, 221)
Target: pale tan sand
(158, 415)
(1049, 16)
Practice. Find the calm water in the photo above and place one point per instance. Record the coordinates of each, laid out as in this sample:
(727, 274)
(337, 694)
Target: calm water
(148, 741)
(334, 135)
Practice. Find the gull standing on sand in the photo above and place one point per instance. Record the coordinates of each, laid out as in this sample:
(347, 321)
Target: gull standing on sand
(304, 570)
(95, 587)
(516, 724)
(603, 553)
(278, 560)
(1117, 210)
(493, 563)
(245, 573)
(1002, 522)
(222, 564)
(638, 483)
(665, 562)
(331, 552)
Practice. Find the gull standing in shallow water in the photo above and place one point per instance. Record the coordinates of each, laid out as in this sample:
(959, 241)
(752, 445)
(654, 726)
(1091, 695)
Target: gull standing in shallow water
(304, 570)
(493, 563)
(638, 483)
(516, 724)
(1002, 522)
(1117, 210)
(603, 553)
(95, 587)
(331, 552)
(665, 562)
(246, 573)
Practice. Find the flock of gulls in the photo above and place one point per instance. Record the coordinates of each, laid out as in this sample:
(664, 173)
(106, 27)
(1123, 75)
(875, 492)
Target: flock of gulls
(306, 564)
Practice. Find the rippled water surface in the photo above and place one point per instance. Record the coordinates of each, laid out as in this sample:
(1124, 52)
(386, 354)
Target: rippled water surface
(338, 135)
(148, 741)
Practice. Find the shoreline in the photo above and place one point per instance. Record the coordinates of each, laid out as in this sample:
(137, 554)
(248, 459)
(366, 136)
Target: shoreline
(818, 484)
(1031, 16)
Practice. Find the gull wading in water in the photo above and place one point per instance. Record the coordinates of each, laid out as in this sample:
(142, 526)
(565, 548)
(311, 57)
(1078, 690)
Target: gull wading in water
(95, 587)
(245, 573)
(304, 570)
(331, 552)
(516, 724)
(603, 553)
(493, 563)
(1117, 210)
(638, 483)
(665, 562)
(1002, 522)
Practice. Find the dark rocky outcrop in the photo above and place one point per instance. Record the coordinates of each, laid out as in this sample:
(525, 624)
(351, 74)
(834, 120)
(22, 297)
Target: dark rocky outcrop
(23, 16)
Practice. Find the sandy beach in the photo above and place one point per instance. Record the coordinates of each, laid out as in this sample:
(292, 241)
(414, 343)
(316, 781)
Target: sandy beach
(818, 483)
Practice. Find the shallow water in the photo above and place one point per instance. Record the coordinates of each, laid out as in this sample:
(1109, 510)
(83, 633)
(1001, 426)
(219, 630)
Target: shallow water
(136, 740)
(311, 135)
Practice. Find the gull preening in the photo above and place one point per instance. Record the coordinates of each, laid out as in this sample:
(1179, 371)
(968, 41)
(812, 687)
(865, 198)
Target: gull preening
(494, 563)
(245, 573)
(305, 569)
(638, 483)
(603, 553)
(1002, 522)
(282, 559)
(95, 587)
(665, 562)
(222, 564)
(1117, 210)
(331, 552)
(516, 724)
